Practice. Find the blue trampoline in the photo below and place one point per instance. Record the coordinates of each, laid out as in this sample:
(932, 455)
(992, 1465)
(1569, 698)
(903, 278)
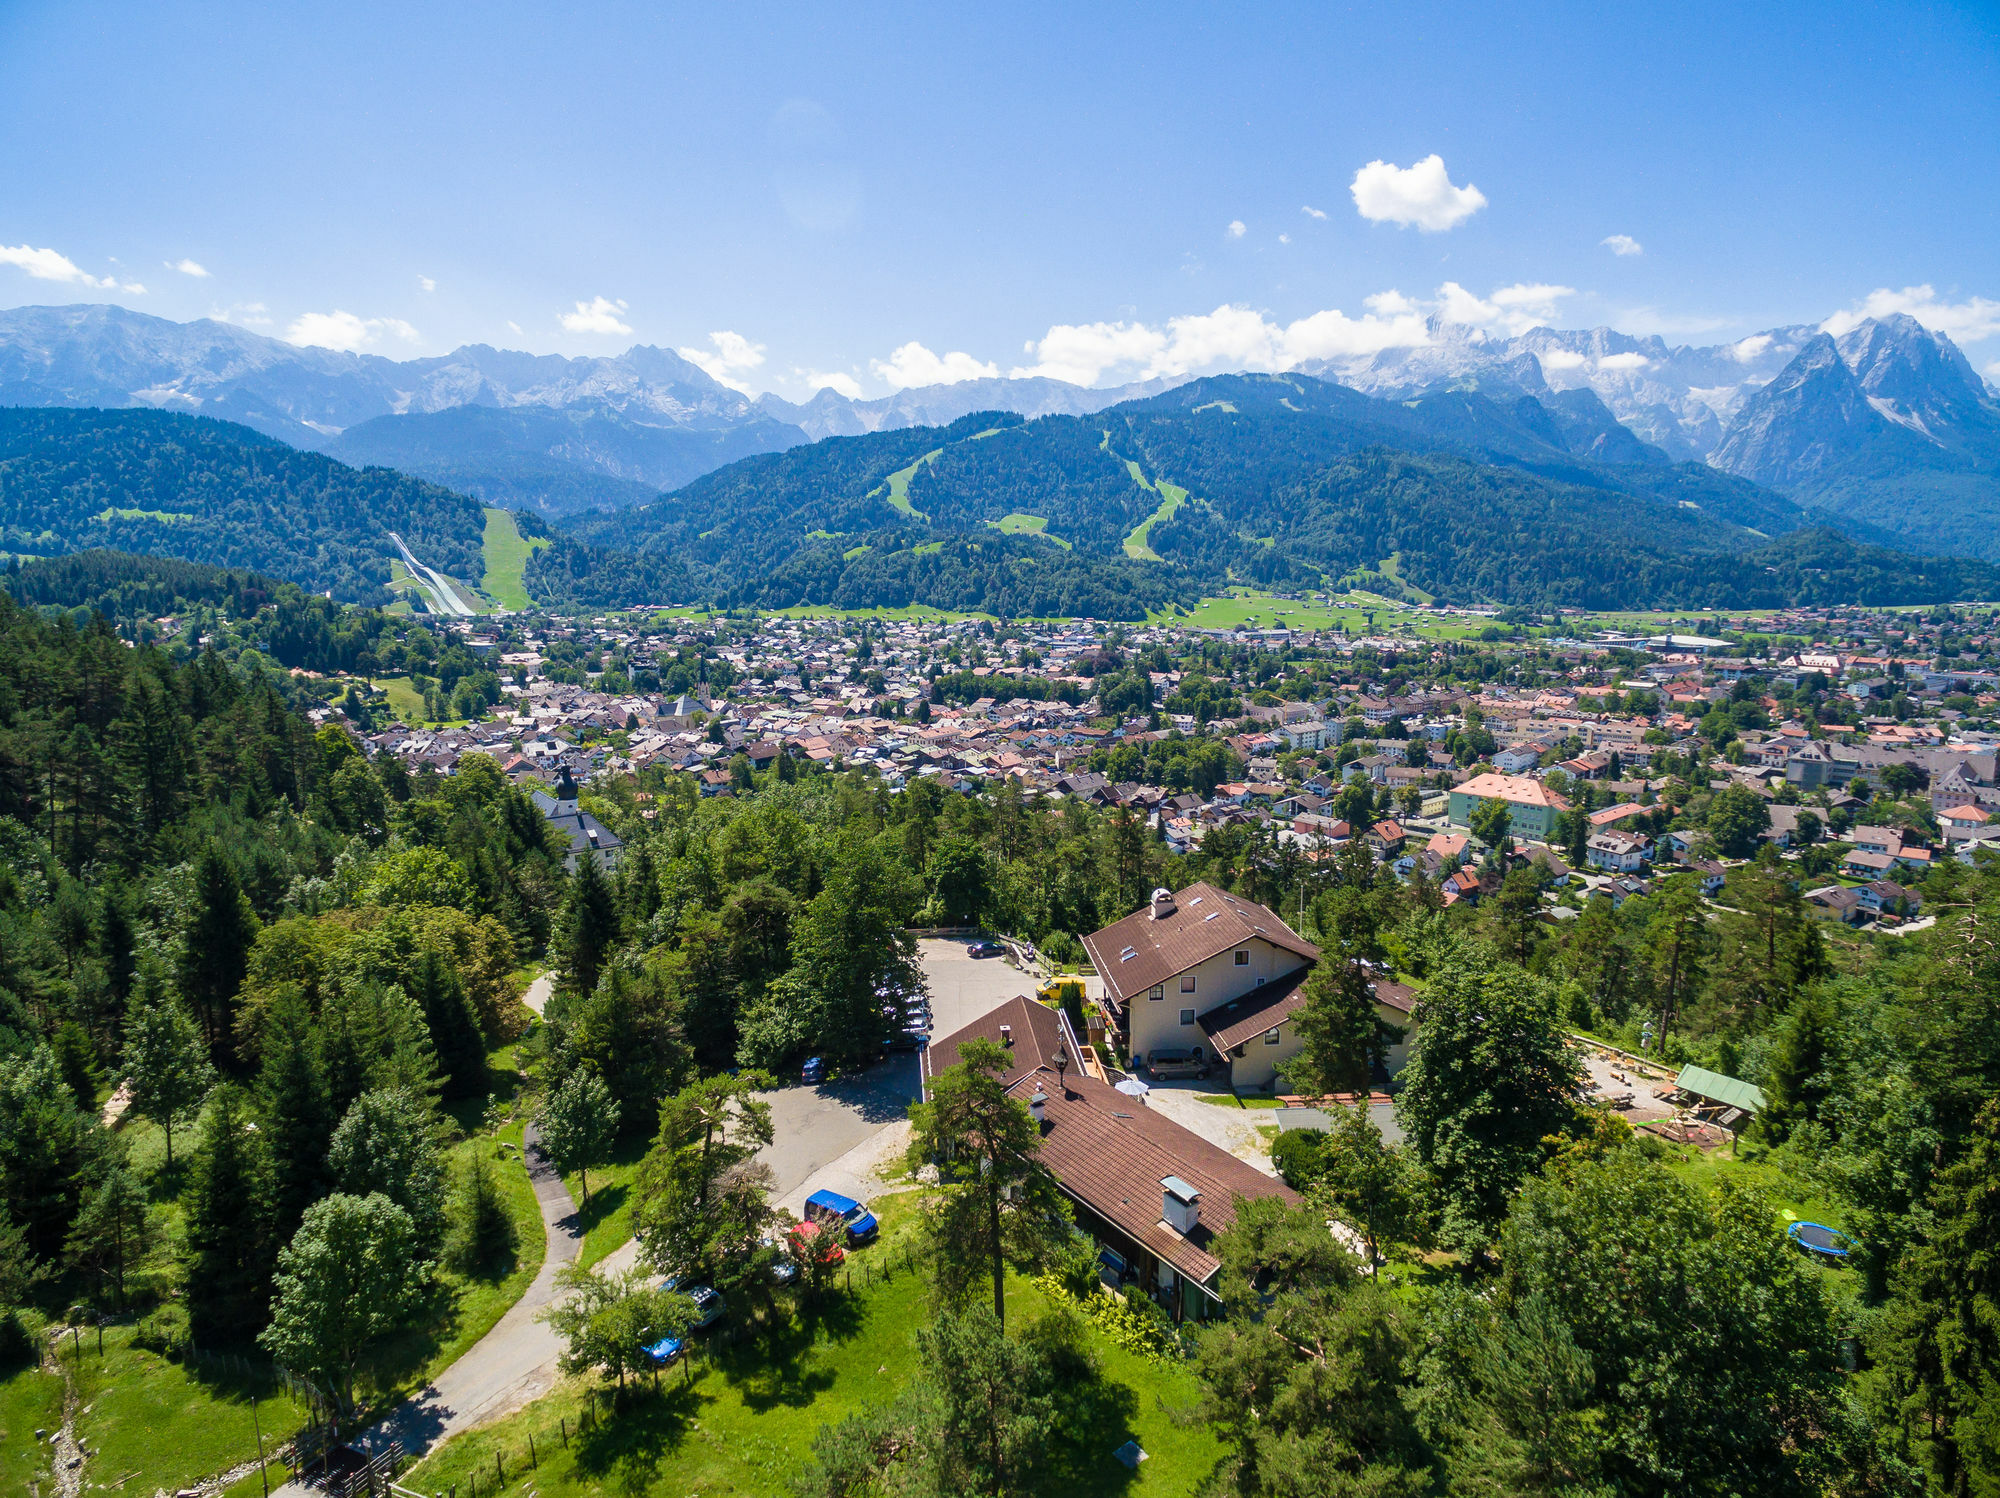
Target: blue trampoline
(1821, 1240)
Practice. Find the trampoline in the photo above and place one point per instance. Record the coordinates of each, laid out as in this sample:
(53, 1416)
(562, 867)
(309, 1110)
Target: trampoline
(1817, 1238)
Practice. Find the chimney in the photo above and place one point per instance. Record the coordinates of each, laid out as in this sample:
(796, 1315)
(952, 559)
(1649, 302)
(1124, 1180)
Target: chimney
(1007, 1036)
(1038, 1105)
(1163, 904)
(1180, 1205)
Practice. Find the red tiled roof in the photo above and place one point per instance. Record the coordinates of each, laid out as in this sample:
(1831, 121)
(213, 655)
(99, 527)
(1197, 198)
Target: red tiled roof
(1109, 1151)
(1204, 922)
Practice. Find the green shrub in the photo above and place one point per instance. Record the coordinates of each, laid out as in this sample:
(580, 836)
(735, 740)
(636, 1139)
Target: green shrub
(1299, 1155)
(166, 1331)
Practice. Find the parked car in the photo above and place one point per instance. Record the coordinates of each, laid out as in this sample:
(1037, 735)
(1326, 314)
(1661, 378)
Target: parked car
(831, 1207)
(784, 1271)
(709, 1306)
(665, 1350)
(985, 949)
(814, 1071)
(912, 1039)
(1176, 1063)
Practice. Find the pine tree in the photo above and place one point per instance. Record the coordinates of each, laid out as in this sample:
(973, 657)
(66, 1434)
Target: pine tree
(1340, 1032)
(454, 1028)
(112, 1231)
(1801, 1080)
(166, 1064)
(227, 1222)
(293, 1110)
(588, 923)
(217, 951)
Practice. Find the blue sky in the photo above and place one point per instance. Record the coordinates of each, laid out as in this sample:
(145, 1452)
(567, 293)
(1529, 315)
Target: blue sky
(890, 194)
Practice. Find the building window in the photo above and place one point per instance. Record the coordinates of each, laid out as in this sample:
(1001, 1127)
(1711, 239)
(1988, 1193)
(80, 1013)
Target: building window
(1272, 1037)
(1243, 958)
(1187, 1016)
(1159, 991)
(1187, 982)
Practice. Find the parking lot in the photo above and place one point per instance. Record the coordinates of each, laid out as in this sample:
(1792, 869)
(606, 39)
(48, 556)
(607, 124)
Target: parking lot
(815, 1126)
(964, 988)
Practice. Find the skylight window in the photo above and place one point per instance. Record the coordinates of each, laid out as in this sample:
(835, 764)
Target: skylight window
(1212, 915)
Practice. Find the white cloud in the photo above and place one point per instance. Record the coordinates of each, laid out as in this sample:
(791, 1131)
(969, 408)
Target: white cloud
(913, 365)
(1511, 309)
(595, 316)
(731, 357)
(345, 332)
(1622, 244)
(1284, 239)
(1421, 194)
(1311, 212)
(1227, 338)
(1748, 350)
(1562, 358)
(248, 314)
(516, 327)
(189, 268)
(427, 283)
(52, 265)
(840, 384)
(1963, 322)
(1627, 363)
(1236, 229)
(1080, 352)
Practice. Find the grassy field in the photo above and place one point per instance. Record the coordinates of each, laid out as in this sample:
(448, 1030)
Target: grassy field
(744, 1422)
(607, 1221)
(30, 1400)
(405, 701)
(1020, 524)
(507, 553)
(1260, 610)
(1172, 497)
(899, 485)
(153, 1423)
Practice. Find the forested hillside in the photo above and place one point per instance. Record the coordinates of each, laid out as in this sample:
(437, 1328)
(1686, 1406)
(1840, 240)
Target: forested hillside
(1283, 481)
(210, 491)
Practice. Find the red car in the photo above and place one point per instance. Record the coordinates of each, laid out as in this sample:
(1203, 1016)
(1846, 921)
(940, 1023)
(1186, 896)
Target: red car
(809, 1241)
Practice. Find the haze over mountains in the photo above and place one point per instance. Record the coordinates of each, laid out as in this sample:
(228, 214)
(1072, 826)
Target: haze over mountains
(1885, 431)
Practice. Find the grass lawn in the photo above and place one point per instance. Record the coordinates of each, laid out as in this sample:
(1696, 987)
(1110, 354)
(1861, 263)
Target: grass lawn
(30, 1400)
(745, 1421)
(607, 1221)
(507, 552)
(153, 1423)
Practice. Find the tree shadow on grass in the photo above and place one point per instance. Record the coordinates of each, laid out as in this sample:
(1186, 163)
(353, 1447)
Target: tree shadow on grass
(604, 1201)
(624, 1454)
(1099, 1416)
(771, 1365)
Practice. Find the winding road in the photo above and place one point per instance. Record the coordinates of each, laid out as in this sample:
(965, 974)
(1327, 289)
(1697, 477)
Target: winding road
(831, 1134)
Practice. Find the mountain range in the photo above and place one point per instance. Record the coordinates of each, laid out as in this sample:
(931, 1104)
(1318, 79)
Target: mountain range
(1884, 431)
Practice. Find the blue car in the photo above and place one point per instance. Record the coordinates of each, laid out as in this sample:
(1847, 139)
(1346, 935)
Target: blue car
(814, 1071)
(665, 1350)
(831, 1207)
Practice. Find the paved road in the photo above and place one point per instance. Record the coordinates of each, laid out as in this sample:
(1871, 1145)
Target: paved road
(510, 1365)
(833, 1133)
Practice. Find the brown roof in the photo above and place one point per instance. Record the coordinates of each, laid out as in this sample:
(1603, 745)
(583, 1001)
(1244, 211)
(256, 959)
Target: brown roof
(1033, 1028)
(1203, 922)
(1110, 1151)
(1242, 1020)
(1231, 1024)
